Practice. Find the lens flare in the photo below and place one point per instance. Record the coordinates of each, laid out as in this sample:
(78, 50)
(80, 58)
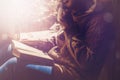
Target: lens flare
(19, 13)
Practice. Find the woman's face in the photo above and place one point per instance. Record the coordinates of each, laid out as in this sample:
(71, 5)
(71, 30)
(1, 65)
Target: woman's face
(70, 3)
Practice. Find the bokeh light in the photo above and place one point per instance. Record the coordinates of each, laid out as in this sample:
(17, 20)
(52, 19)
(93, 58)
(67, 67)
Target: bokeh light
(15, 14)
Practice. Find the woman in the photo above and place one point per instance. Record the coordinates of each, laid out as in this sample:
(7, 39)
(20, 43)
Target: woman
(88, 36)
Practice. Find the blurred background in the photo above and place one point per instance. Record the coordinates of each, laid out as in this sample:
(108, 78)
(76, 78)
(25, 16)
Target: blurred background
(116, 6)
(25, 15)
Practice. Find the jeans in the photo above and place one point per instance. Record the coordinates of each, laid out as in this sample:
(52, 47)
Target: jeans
(6, 65)
(5, 52)
(8, 62)
(13, 61)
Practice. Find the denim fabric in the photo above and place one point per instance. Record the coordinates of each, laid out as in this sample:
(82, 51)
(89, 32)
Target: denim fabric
(6, 65)
(13, 61)
(44, 69)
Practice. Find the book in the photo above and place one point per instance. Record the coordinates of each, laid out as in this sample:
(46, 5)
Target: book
(30, 54)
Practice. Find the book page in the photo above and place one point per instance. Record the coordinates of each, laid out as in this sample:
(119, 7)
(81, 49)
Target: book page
(28, 50)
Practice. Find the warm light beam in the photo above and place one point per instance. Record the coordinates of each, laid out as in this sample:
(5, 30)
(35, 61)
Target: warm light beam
(18, 13)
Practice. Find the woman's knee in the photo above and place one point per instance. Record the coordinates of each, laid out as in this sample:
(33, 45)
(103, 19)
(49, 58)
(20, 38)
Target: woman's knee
(11, 61)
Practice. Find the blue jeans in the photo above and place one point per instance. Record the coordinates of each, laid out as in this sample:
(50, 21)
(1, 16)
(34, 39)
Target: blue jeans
(8, 62)
(13, 61)
(5, 52)
(6, 65)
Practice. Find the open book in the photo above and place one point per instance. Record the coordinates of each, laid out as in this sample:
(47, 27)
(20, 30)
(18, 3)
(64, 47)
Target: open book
(29, 53)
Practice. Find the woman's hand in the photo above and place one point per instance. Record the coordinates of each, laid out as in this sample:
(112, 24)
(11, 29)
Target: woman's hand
(53, 52)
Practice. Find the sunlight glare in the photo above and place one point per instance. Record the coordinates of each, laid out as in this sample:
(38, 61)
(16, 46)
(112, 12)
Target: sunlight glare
(17, 13)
